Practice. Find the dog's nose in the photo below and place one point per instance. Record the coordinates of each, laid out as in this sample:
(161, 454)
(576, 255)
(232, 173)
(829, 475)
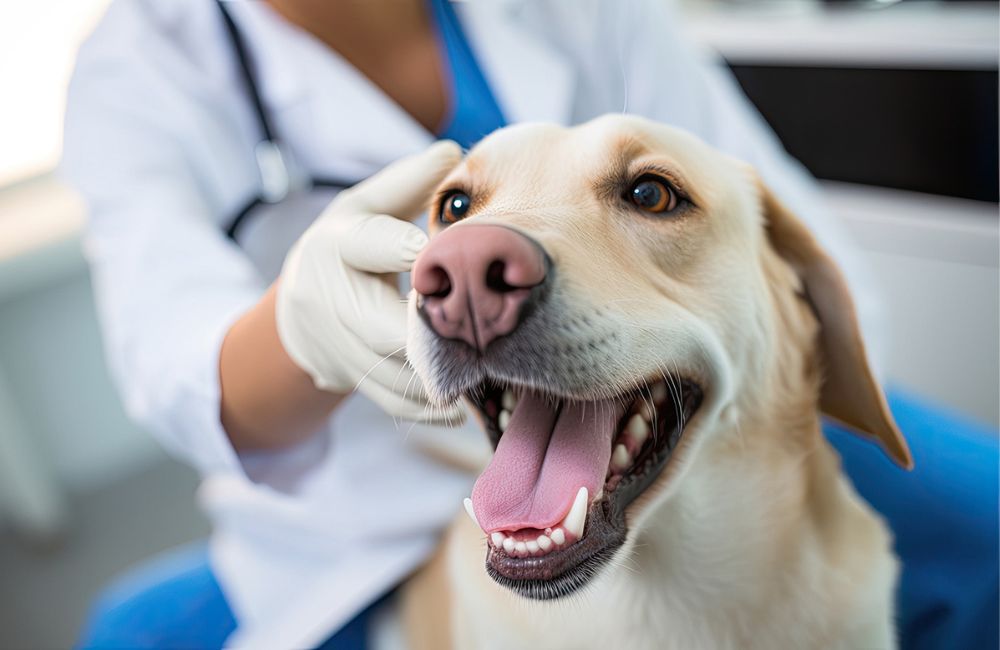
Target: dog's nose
(477, 282)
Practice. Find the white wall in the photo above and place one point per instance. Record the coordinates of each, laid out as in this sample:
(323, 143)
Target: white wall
(935, 260)
(943, 318)
(38, 43)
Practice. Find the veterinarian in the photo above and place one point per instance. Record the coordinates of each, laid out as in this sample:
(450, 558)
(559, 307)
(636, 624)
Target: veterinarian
(207, 137)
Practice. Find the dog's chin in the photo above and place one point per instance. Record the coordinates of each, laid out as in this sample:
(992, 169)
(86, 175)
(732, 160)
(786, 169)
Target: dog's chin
(650, 428)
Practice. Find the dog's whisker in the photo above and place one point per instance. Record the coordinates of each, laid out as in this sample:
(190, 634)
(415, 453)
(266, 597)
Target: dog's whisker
(677, 394)
(406, 436)
(377, 364)
(409, 382)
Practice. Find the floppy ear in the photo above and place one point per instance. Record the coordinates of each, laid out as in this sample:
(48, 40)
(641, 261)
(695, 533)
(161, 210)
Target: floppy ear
(850, 392)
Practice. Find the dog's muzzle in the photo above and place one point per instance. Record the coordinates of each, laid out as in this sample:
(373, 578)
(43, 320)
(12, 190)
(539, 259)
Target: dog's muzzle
(572, 452)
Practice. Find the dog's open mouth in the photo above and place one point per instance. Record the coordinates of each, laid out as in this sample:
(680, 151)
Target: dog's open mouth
(552, 501)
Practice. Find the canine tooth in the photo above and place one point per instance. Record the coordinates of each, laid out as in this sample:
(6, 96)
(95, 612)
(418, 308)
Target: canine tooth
(532, 546)
(503, 420)
(637, 429)
(620, 458)
(659, 393)
(577, 517)
(498, 539)
(544, 542)
(508, 544)
(558, 536)
(508, 400)
(521, 547)
(472, 513)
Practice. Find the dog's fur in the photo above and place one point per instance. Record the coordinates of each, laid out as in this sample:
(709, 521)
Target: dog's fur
(751, 537)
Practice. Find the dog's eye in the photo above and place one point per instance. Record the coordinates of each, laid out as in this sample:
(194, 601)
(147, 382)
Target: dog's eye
(454, 207)
(652, 194)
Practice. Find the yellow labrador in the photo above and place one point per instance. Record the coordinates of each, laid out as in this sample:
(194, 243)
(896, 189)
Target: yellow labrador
(649, 338)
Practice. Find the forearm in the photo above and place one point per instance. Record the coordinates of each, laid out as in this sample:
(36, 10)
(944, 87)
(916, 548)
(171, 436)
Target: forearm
(267, 400)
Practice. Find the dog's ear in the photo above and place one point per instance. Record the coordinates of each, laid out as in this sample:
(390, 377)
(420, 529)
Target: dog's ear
(850, 392)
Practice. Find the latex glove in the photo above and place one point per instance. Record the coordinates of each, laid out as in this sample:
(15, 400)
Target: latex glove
(339, 312)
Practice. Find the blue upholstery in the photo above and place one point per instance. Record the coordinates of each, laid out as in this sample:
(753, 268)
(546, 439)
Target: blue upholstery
(173, 601)
(944, 517)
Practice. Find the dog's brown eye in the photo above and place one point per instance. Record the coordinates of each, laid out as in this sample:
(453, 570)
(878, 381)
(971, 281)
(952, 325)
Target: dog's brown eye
(454, 207)
(653, 195)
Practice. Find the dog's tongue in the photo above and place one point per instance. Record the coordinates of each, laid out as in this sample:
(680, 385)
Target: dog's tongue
(544, 457)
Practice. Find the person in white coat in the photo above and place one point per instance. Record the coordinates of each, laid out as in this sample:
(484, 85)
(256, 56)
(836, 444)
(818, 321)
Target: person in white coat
(206, 138)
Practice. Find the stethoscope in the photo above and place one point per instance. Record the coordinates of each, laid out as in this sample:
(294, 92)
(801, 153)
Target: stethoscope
(273, 162)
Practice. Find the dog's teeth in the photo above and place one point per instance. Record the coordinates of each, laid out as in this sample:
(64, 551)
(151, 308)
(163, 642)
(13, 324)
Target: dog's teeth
(620, 459)
(577, 517)
(472, 513)
(521, 547)
(659, 393)
(498, 539)
(558, 537)
(503, 420)
(532, 546)
(637, 429)
(508, 544)
(508, 401)
(544, 542)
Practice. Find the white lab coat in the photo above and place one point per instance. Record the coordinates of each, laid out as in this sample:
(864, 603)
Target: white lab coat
(159, 139)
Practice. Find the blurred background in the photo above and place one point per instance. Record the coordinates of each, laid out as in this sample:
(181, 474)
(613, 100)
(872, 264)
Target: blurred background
(893, 105)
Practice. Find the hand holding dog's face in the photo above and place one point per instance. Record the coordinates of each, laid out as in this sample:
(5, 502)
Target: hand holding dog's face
(617, 300)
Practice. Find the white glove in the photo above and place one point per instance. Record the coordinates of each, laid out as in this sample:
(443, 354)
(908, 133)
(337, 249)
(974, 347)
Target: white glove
(339, 312)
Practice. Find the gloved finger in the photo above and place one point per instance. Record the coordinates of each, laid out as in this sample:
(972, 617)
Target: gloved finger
(398, 390)
(407, 384)
(393, 385)
(403, 188)
(385, 334)
(382, 244)
(374, 313)
(418, 411)
(392, 373)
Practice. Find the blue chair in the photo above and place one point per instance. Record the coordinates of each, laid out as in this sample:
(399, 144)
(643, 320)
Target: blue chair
(173, 601)
(944, 515)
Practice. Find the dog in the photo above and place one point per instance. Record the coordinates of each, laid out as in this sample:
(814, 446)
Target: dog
(649, 338)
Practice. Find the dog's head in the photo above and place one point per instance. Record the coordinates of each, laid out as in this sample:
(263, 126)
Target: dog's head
(610, 298)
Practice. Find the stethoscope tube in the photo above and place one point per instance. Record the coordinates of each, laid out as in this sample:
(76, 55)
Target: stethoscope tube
(272, 161)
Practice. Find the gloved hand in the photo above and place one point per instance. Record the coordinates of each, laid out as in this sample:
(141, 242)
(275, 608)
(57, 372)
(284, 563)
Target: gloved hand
(339, 312)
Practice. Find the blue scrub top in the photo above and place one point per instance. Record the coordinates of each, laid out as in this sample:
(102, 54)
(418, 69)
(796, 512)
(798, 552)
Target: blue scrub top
(473, 112)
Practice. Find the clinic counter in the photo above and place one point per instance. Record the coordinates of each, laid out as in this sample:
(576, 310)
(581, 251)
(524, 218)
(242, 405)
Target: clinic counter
(924, 35)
